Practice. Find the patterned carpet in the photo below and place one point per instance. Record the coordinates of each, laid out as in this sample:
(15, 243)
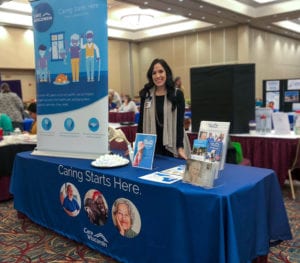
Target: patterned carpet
(22, 241)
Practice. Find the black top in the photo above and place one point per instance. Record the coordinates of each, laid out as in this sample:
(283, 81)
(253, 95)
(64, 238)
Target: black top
(159, 107)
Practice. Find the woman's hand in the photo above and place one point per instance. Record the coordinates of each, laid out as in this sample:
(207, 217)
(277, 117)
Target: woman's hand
(181, 153)
(119, 226)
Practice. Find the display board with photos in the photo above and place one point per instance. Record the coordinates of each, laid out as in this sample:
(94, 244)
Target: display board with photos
(282, 94)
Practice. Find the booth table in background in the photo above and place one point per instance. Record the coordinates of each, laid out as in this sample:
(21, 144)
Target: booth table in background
(8, 151)
(233, 222)
(272, 151)
(121, 117)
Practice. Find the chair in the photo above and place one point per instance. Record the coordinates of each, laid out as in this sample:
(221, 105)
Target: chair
(239, 154)
(294, 170)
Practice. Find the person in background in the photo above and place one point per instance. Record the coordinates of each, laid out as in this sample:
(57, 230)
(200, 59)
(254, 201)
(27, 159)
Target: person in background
(32, 112)
(128, 105)
(12, 105)
(271, 105)
(116, 98)
(178, 83)
(6, 124)
(111, 105)
(162, 111)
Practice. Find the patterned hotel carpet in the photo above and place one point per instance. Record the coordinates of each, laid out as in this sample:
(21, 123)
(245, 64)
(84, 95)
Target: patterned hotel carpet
(22, 241)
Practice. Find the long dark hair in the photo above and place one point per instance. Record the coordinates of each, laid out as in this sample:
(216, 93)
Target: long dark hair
(170, 85)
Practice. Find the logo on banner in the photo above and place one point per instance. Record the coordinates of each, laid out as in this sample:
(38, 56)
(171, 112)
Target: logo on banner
(42, 17)
(98, 238)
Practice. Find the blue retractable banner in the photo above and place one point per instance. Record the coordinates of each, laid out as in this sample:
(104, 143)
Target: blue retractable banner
(70, 39)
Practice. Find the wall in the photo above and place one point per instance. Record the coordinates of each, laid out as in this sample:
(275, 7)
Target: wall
(275, 56)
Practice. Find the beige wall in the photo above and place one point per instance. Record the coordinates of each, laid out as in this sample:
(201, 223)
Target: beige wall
(275, 57)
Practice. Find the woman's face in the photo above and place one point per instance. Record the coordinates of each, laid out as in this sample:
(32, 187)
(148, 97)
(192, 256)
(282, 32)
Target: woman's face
(194, 170)
(159, 75)
(123, 216)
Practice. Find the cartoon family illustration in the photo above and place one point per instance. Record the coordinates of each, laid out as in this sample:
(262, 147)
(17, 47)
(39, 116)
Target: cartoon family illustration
(72, 50)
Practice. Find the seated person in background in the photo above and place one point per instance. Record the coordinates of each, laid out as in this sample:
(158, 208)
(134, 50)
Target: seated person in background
(111, 105)
(128, 105)
(6, 124)
(116, 98)
(32, 112)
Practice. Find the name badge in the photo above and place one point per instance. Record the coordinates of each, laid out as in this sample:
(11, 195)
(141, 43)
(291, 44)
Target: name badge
(147, 104)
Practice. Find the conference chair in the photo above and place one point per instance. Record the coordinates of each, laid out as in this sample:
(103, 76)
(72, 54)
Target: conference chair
(240, 159)
(294, 171)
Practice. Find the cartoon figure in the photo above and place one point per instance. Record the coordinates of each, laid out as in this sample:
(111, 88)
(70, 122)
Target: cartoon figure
(75, 55)
(42, 64)
(90, 49)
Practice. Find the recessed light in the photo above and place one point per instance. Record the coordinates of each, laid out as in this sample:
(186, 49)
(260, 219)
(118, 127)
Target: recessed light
(190, 14)
(203, 17)
(169, 8)
(200, 6)
(219, 12)
(264, 1)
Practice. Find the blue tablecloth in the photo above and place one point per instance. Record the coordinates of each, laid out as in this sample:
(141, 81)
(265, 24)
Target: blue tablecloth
(233, 222)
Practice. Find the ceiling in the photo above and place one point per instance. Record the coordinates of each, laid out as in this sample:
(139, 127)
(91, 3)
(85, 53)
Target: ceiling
(169, 17)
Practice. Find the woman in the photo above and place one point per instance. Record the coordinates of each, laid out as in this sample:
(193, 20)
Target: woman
(128, 105)
(33, 115)
(162, 111)
(12, 105)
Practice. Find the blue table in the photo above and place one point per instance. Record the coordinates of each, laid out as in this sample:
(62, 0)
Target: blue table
(232, 222)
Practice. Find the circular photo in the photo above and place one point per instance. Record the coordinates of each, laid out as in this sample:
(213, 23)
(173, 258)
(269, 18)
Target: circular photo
(70, 199)
(126, 218)
(96, 208)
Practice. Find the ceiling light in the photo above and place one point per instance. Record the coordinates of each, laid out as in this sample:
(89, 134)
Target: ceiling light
(264, 1)
(138, 20)
(290, 25)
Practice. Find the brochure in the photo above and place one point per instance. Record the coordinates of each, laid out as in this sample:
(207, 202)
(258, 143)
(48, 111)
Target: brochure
(167, 176)
(281, 123)
(200, 173)
(143, 152)
(216, 133)
(199, 150)
(177, 170)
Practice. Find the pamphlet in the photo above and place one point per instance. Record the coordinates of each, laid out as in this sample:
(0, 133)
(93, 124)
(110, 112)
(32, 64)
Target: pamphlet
(216, 133)
(200, 173)
(177, 170)
(144, 148)
(199, 150)
(281, 123)
(167, 176)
